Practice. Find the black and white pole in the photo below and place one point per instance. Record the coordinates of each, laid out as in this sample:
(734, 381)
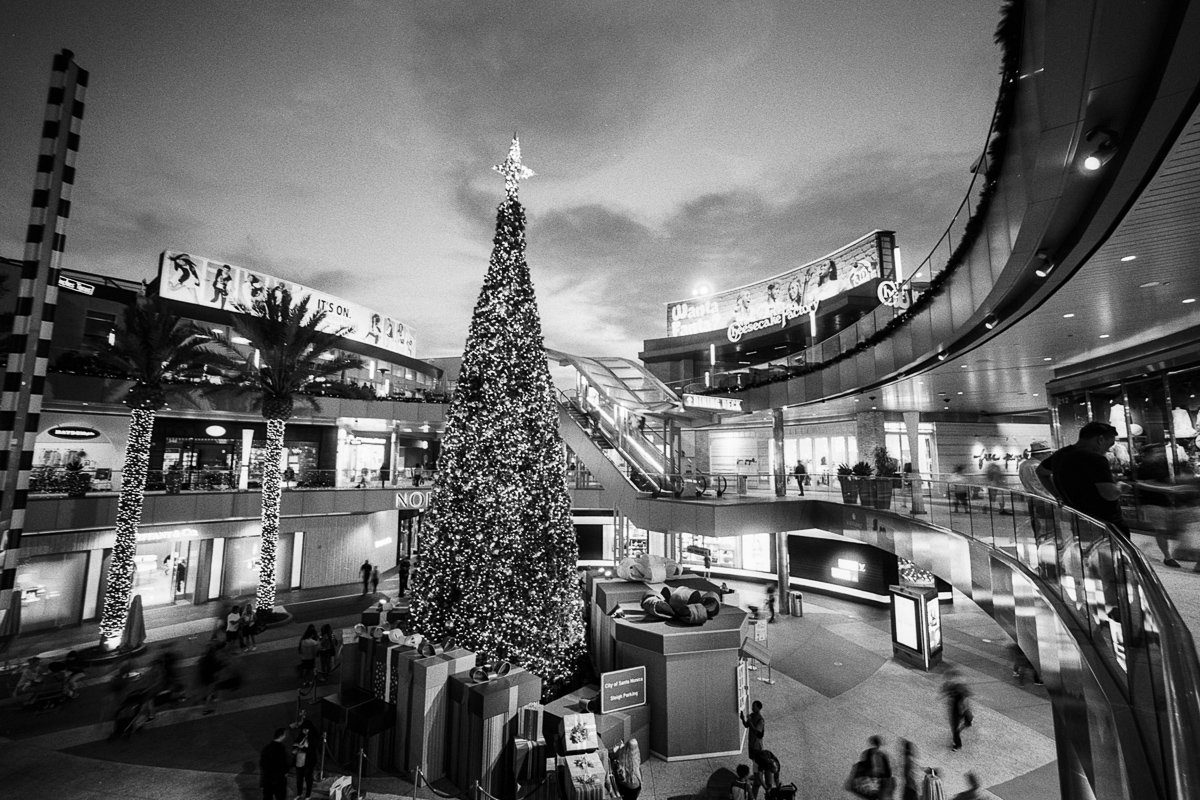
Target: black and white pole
(33, 322)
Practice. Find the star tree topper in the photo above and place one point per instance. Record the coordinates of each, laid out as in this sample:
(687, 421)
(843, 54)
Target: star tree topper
(512, 169)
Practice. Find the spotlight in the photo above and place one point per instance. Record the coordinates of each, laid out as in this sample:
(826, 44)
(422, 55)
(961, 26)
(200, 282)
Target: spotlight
(1106, 148)
(1046, 265)
(941, 355)
(991, 321)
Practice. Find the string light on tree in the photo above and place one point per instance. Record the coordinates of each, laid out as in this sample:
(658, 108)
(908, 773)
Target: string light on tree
(496, 569)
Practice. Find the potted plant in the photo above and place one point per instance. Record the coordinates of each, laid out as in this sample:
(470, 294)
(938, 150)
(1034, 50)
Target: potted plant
(861, 472)
(886, 468)
(848, 483)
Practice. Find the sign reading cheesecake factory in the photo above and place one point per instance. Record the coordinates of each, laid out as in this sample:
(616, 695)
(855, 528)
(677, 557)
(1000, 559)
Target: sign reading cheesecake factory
(189, 278)
(793, 295)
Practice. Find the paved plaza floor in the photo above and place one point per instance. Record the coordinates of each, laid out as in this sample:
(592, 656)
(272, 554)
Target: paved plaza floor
(835, 684)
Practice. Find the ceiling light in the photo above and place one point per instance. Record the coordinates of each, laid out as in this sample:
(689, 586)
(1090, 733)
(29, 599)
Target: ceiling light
(960, 392)
(1047, 358)
(1189, 300)
(991, 321)
(1104, 335)
(1035, 394)
(1106, 148)
(1129, 258)
(962, 366)
(1068, 316)
(1150, 284)
(1045, 264)
(941, 356)
(240, 340)
(215, 430)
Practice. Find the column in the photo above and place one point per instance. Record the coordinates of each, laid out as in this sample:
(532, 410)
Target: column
(780, 461)
(912, 420)
(782, 572)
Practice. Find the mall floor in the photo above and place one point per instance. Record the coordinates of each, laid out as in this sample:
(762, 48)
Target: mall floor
(835, 684)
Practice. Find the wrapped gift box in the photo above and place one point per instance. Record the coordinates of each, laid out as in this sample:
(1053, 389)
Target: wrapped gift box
(529, 721)
(579, 732)
(529, 761)
(428, 717)
(371, 616)
(482, 725)
(585, 778)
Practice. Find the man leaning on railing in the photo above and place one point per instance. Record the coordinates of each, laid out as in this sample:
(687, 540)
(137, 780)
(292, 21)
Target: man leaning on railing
(1080, 478)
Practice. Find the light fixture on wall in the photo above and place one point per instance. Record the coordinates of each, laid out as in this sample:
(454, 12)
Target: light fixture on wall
(1045, 264)
(941, 355)
(1106, 148)
(991, 321)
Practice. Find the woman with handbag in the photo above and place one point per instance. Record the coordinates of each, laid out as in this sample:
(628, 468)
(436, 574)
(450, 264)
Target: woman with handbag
(304, 753)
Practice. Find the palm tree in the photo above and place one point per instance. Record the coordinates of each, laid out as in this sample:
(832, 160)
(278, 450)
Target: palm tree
(150, 345)
(294, 347)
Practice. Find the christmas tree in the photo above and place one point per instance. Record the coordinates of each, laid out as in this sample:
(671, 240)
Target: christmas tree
(496, 568)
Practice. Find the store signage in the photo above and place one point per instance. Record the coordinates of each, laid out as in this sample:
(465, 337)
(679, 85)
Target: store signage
(848, 569)
(193, 279)
(168, 535)
(74, 433)
(712, 402)
(75, 286)
(892, 294)
(776, 302)
(413, 498)
(623, 688)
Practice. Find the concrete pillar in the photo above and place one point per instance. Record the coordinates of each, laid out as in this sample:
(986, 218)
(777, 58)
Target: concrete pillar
(780, 462)
(868, 428)
(912, 421)
(782, 572)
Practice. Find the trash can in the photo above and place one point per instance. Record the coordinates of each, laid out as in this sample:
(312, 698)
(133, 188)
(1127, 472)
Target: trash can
(742, 489)
(796, 603)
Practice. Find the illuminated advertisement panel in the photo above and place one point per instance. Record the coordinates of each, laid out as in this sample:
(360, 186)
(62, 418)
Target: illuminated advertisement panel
(904, 610)
(199, 281)
(788, 298)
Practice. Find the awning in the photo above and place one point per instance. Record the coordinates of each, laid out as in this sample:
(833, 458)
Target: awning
(752, 649)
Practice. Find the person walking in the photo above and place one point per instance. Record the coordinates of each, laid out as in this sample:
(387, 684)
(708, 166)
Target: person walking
(374, 580)
(960, 490)
(233, 623)
(957, 694)
(1080, 478)
(772, 589)
(931, 788)
(304, 754)
(402, 575)
(365, 573)
(326, 651)
(246, 626)
(878, 766)
(209, 668)
(1040, 513)
(801, 473)
(910, 789)
(974, 790)
(310, 645)
(756, 724)
(993, 475)
(273, 767)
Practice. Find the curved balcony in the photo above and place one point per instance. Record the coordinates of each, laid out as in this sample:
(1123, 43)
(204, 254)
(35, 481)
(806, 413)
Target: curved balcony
(1069, 71)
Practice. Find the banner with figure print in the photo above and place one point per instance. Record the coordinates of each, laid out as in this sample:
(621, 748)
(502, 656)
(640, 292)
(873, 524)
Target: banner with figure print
(189, 278)
(789, 297)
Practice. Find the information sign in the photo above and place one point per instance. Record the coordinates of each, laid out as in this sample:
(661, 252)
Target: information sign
(622, 688)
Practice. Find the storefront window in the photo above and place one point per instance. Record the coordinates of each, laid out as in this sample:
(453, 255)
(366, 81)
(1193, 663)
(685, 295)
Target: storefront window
(756, 552)
(693, 548)
(240, 574)
(51, 590)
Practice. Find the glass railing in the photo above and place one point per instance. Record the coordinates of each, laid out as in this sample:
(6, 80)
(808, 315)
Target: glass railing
(106, 481)
(1101, 579)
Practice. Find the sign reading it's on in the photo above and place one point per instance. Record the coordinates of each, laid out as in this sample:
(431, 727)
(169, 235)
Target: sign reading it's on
(624, 688)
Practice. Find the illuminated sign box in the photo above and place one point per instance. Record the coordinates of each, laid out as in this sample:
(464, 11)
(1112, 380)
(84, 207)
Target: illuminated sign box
(75, 286)
(199, 281)
(712, 402)
(789, 297)
(916, 626)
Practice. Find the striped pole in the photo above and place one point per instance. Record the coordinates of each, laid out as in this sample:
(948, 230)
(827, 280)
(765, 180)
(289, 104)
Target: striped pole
(33, 323)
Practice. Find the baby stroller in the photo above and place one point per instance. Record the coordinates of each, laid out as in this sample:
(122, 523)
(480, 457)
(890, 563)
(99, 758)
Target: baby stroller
(132, 715)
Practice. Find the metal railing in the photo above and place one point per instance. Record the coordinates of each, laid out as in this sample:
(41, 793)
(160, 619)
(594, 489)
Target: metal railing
(102, 481)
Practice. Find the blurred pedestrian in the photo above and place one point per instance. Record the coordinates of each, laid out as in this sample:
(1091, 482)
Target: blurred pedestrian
(997, 491)
(771, 591)
(879, 766)
(365, 573)
(304, 755)
(957, 694)
(209, 669)
(960, 490)
(801, 473)
(327, 651)
(974, 790)
(766, 772)
(1041, 513)
(402, 575)
(273, 767)
(374, 580)
(909, 773)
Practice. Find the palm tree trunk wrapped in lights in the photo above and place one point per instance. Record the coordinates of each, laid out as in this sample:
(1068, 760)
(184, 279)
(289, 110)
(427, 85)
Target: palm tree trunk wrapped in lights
(271, 495)
(150, 346)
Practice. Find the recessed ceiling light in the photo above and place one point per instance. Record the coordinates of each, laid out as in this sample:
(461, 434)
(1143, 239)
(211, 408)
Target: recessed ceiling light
(1104, 335)
(960, 392)
(1150, 284)
(1067, 316)
(1189, 300)
(1129, 258)
(1047, 358)
(962, 366)
(1035, 394)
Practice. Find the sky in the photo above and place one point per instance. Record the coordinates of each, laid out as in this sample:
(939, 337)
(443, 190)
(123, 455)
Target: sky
(348, 145)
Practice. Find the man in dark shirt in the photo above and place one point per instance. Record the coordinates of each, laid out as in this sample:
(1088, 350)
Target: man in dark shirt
(1080, 477)
(756, 725)
(273, 765)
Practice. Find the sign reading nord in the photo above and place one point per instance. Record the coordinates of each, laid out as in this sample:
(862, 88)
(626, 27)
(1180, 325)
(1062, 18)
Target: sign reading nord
(413, 498)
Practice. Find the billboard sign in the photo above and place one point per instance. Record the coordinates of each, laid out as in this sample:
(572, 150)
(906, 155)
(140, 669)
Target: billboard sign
(779, 301)
(189, 278)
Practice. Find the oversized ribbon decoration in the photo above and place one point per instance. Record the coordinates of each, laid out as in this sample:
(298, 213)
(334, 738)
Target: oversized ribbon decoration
(487, 672)
(682, 604)
(428, 648)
